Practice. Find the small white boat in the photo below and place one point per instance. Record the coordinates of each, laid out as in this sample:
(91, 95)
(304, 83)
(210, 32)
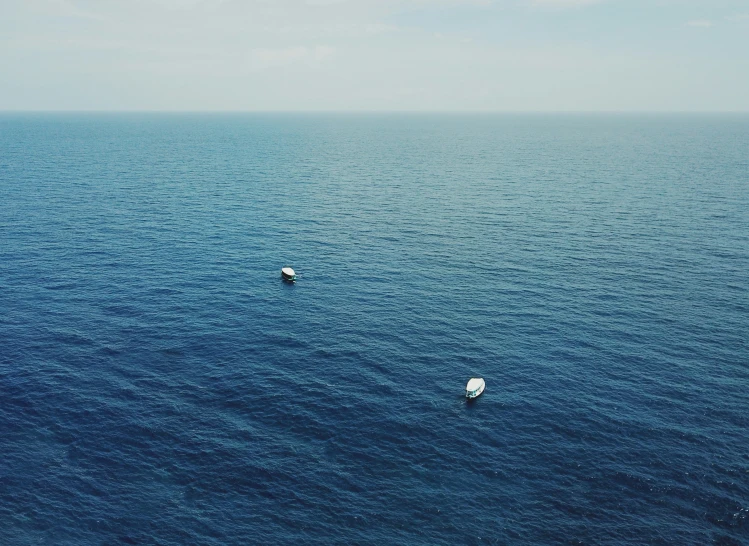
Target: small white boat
(475, 387)
(288, 274)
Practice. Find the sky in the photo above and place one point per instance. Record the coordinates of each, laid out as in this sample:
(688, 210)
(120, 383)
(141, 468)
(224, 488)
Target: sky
(375, 55)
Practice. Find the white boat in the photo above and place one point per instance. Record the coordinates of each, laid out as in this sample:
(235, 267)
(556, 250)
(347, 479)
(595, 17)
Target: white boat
(475, 387)
(288, 274)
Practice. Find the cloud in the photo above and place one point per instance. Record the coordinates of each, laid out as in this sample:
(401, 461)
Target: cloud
(64, 8)
(261, 58)
(324, 2)
(703, 23)
(370, 55)
(738, 17)
(563, 3)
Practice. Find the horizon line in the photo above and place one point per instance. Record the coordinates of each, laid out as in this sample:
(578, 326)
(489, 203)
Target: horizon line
(361, 111)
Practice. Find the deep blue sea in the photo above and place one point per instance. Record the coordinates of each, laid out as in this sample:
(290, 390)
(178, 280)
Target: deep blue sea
(160, 383)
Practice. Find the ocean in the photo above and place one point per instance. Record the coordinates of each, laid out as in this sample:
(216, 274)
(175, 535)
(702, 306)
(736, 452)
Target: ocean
(160, 383)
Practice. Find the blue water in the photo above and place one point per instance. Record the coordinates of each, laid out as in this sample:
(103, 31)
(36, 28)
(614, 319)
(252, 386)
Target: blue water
(160, 384)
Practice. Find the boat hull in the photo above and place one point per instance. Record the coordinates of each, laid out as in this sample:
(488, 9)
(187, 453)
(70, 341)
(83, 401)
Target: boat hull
(470, 395)
(288, 274)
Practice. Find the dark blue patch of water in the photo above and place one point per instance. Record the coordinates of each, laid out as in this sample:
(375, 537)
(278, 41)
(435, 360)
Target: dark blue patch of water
(159, 383)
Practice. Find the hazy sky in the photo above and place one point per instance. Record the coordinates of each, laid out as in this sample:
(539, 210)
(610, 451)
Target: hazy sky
(505, 55)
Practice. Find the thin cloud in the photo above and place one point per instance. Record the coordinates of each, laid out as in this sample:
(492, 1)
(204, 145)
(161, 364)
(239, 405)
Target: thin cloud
(703, 23)
(261, 58)
(564, 3)
(738, 17)
(65, 8)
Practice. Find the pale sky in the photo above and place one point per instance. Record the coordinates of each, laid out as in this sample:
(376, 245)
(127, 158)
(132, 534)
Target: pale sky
(435, 55)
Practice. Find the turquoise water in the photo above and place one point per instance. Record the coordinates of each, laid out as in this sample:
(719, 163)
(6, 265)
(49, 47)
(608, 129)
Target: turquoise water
(159, 383)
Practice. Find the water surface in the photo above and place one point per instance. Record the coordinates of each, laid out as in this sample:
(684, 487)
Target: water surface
(159, 383)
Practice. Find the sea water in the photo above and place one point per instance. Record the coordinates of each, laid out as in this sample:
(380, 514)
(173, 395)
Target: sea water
(160, 383)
